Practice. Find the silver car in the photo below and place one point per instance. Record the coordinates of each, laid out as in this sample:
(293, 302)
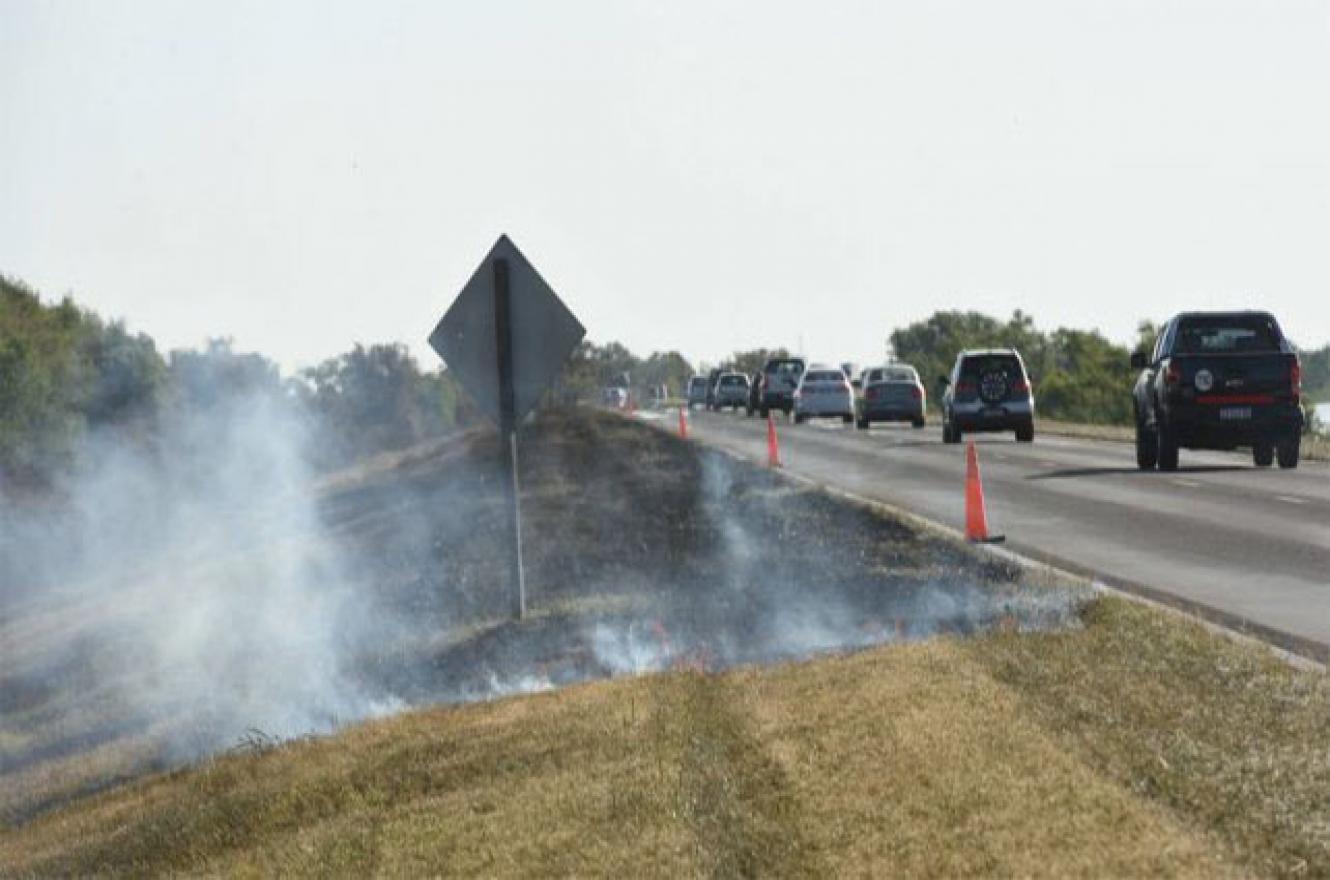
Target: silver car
(732, 391)
(823, 391)
(988, 390)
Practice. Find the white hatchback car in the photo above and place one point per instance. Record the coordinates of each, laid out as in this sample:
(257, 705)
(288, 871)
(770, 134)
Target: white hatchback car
(823, 391)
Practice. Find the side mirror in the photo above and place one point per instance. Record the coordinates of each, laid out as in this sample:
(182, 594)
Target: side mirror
(1139, 360)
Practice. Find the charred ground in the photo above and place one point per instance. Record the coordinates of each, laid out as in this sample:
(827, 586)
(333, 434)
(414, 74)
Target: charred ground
(643, 553)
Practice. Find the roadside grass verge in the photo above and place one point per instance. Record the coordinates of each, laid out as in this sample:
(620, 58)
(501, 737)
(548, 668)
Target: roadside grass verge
(1139, 745)
(1315, 447)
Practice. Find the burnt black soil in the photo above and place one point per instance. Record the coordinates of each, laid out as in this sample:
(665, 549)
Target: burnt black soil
(645, 551)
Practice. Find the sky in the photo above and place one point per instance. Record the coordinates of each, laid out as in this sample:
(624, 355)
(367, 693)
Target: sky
(704, 177)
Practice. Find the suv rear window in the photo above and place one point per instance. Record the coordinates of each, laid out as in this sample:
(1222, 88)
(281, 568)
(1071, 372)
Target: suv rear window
(898, 374)
(976, 366)
(824, 376)
(733, 380)
(1226, 333)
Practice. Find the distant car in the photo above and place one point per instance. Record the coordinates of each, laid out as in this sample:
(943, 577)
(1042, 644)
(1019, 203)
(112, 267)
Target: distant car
(1218, 380)
(780, 378)
(731, 391)
(712, 378)
(697, 391)
(823, 391)
(891, 394)
(614, 397)
(988, 390)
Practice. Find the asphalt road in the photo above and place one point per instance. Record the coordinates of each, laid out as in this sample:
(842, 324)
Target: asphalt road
(1219, 536)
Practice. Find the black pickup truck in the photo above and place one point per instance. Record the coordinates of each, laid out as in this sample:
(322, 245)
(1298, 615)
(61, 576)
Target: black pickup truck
(1218, 380)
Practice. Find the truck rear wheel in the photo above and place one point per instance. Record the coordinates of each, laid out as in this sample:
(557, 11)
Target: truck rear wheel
(1263, 454)
(1168, 450)
(1288, 453)
(1147, 448)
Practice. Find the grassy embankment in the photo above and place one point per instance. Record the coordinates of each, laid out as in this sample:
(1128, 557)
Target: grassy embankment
(1138, 744)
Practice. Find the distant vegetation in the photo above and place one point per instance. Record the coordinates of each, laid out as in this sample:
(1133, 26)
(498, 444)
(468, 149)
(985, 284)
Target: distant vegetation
(67, 375)
(1079, 376)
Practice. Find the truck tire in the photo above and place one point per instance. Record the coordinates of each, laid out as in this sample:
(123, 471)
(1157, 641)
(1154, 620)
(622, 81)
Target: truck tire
(1263, 454)
(919, 422)
(847, 419)
(862, 424)
(1168, 449)
(1147, 447)
(1288, 452)
(1025, 434)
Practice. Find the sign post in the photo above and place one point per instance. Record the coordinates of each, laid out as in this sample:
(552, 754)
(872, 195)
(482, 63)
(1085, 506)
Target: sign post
(505, 338)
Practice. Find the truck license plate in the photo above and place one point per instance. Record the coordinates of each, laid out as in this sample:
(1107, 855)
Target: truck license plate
(1234, 413)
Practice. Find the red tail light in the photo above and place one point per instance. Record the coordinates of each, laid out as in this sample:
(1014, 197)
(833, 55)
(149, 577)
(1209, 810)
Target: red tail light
(964, 387)
(916, 392)
(1020, 386)
(1295, 380)
(1173, 375)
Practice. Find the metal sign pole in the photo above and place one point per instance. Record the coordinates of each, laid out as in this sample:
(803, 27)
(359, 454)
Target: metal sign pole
(508, 430)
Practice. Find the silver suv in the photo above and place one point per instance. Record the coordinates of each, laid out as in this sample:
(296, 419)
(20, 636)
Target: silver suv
(988, 390)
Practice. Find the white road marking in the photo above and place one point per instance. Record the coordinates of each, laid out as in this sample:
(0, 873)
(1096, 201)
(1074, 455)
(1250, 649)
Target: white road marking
(1289, 499)
(1190, 484)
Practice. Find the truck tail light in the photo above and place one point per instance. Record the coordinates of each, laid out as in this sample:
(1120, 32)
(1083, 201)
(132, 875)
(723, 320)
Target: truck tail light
(1295, 380)
(1020, 386)
(916, 392)
(965, 387)
(1173, 375)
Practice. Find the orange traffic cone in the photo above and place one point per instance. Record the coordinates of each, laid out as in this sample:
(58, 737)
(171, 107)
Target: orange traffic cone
(773, 448)
(683, 424)
(976, 518)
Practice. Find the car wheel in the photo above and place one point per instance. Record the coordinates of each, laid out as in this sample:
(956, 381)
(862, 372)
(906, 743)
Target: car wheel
(862, 424)
(918, 423)
(1263, 454)
(1025, 434)
(846, 419)
(1288, 453)
(1147, 448)
(1168, 449)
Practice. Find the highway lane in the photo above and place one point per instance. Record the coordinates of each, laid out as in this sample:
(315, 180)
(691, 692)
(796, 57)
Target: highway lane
(1247, 544)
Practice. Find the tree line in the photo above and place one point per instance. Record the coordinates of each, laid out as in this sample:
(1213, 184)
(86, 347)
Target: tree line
(67, 375)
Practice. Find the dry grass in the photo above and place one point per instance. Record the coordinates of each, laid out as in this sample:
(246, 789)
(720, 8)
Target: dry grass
(1139, 746)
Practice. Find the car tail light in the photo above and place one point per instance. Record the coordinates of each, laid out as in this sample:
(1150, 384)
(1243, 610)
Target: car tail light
(964, 387)
(1295, 380)
(1173, 375)
(916, 392)
(1020, 386)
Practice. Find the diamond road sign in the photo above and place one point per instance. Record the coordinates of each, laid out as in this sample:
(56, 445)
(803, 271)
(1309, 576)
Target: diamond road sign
(543, 333)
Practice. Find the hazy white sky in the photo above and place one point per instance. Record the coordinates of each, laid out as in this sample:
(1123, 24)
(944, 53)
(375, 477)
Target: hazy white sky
(703, 176)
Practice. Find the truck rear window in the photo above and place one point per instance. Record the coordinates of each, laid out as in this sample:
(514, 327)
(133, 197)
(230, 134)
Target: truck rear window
(1224, 334)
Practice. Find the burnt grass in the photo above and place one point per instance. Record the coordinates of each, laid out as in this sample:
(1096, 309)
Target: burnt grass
(642, 552)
